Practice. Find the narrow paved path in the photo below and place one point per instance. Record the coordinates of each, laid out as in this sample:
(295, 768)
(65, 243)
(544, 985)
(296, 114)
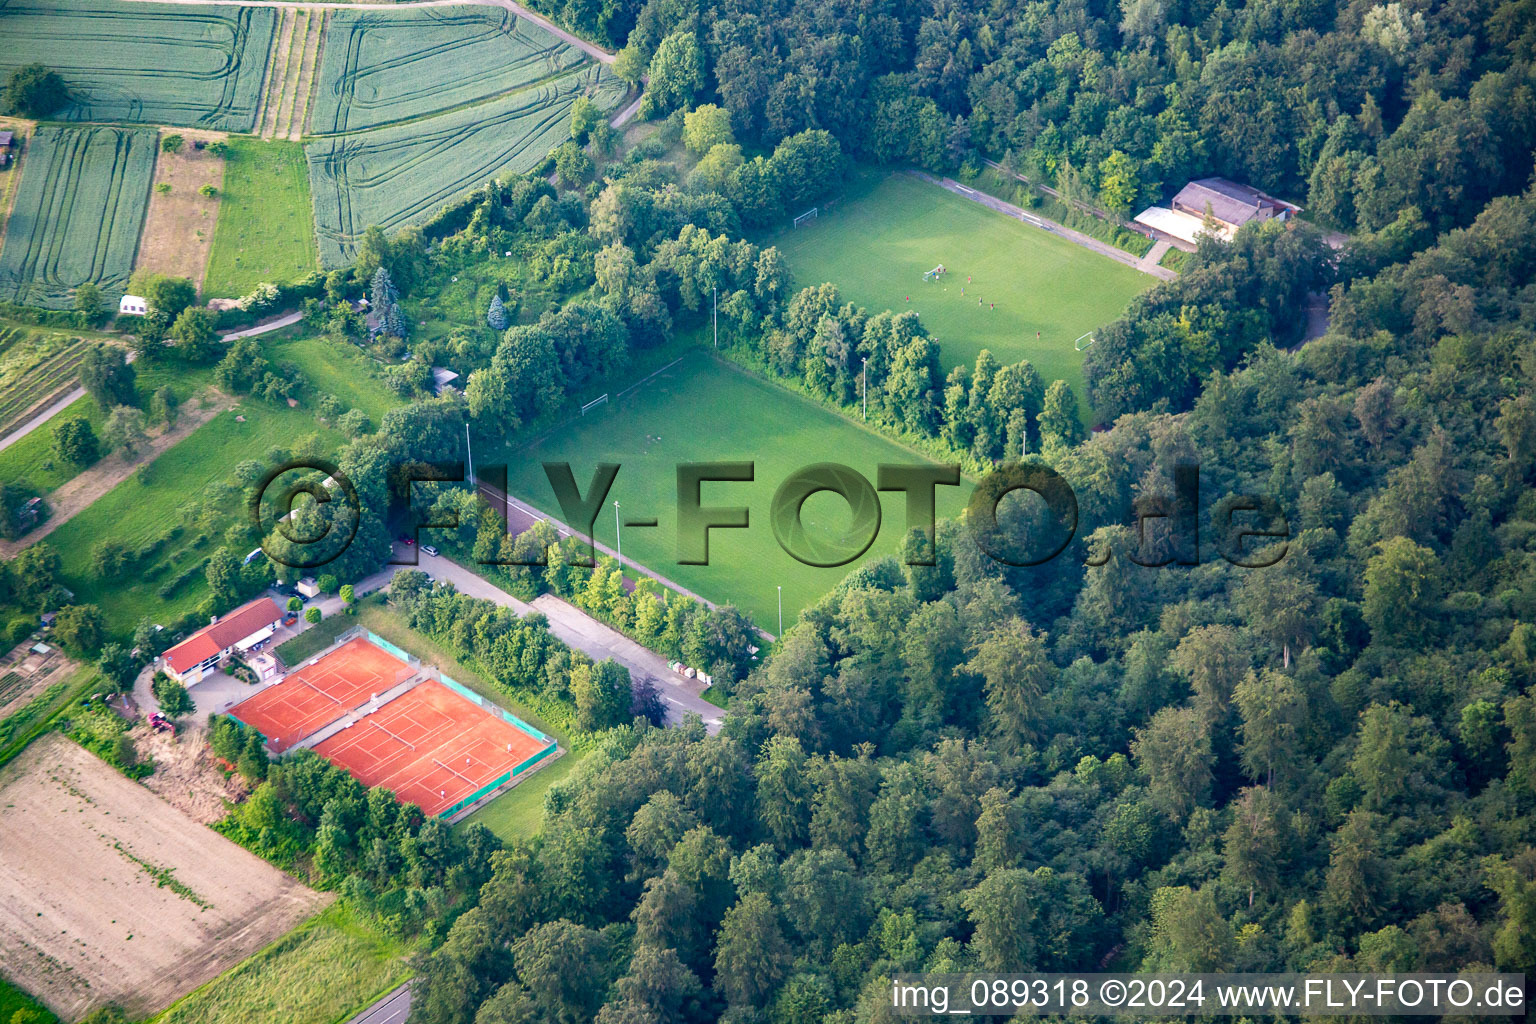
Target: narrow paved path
(1154, 255)
(1044, 224)
(271, 325)
(622, 117)
(521, 516)
(576, 629)
(41, 418)
(49, 413)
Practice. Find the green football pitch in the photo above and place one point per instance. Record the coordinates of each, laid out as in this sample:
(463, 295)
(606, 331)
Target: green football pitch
(1008, 287)
(705, 410)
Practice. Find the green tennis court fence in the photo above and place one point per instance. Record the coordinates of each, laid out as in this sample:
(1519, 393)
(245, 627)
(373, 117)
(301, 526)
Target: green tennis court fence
(475, 698)
(497, 783)
(389, 648)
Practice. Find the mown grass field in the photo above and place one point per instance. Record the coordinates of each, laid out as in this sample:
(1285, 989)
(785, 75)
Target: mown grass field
(78, 213)
(889, 229)
(266, 229)
(32, 459)
(145, 63)
(705, 410)
(384, 67)
(136, 512)
(518, 814)
(403, 174)
(325, 970)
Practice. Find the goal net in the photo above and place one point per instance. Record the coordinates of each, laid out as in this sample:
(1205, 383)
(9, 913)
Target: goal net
(599, 400)
(935, 273)
(806, 217)
(1083, 342)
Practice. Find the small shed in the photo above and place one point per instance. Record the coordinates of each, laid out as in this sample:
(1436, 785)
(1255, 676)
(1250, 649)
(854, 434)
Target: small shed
(442, 379)
(133, 305)
(7, 146)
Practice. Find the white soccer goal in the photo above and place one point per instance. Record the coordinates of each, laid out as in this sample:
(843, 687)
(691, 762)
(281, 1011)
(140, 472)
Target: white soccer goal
(935, 273)
(599, 400)
(806, 217)
(1079, 345)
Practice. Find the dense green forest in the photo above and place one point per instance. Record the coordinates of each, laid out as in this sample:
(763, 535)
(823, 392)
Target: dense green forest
(1359, 110)
(1326, 763)
(1139, 755)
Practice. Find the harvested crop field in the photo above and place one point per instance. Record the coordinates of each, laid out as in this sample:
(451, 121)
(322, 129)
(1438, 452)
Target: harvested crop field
(78, 214)
(403, 174)
(109, 894)
(382, 67)
(179, 227)
(145, 63)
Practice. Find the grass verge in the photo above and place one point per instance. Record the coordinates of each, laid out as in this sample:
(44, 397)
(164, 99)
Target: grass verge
(326, 969)
(13, 1000)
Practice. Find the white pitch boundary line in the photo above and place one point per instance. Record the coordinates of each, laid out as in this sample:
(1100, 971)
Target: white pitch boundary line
(312, 686)
(664, 369)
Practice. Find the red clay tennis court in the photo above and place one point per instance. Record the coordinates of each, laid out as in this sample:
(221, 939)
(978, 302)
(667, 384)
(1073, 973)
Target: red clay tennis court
(434, 748)
(318, 694)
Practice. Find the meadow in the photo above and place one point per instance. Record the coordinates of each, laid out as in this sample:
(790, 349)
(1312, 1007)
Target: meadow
(383, 67)
(142, 509)
(78, 213)
(32, 458)
(705, 410)
(145, 63)
(342, 370)
(402, 174)
(889, 229)
(266, 229)
(327, 968)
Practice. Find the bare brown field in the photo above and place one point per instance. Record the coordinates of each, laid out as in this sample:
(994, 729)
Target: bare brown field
(178, 228)
(108, 894)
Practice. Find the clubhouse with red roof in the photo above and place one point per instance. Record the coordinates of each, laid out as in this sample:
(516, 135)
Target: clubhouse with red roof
(199, 654)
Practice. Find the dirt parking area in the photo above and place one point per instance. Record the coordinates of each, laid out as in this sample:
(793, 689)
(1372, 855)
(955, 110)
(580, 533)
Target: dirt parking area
(178, 229)
(108, 894)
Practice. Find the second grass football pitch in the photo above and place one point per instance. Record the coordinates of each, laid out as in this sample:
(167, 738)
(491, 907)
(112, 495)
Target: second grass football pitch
(705, 410)
(1009, 287)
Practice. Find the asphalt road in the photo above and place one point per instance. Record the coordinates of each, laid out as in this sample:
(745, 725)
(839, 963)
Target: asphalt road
(578, 630)
(392, 1009)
